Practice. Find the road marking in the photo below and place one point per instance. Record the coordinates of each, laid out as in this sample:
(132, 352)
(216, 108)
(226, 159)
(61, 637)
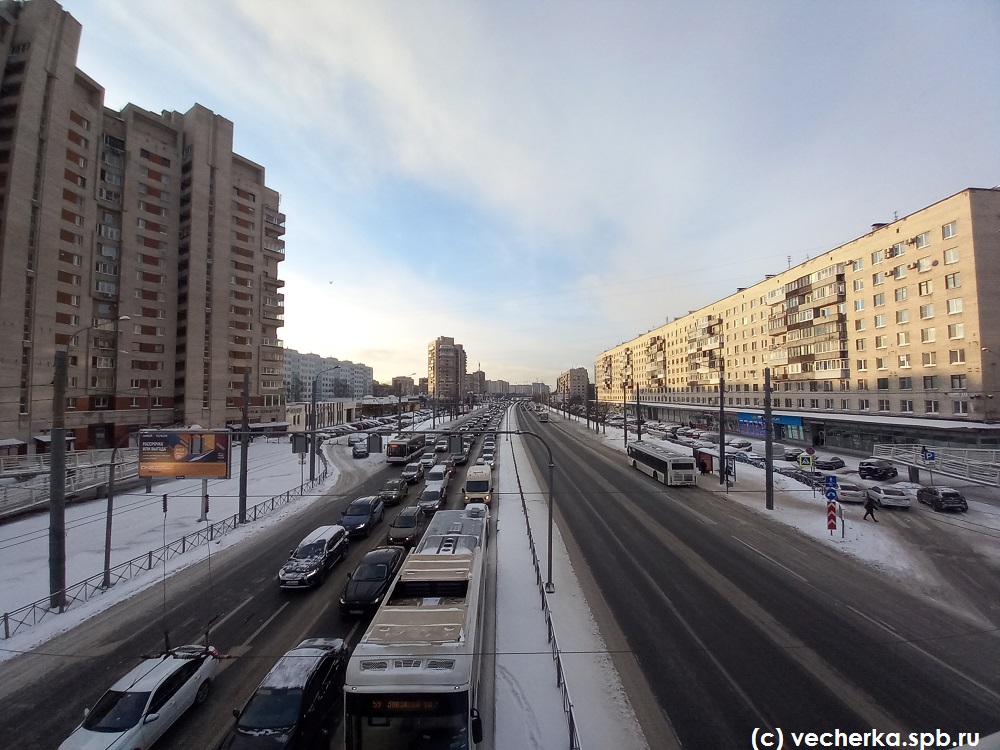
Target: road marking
(771, 560)
(236, 609)
(872, 620)
(266, 623)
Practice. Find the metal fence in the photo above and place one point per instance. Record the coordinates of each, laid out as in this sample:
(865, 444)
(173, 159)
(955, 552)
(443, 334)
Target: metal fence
(980, 465)
(36, 612)
(574, 737)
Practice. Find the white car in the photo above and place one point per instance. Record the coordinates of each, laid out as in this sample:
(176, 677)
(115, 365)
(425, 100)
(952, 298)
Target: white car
(143, 704)
(889, 496)
(428, 460)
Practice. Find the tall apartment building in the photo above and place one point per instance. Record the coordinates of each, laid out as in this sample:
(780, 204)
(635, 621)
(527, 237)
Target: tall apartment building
(137, 241)
(497, 387)
(403, 385)
(475, 382)
(884, 339)
(335, 378)
(446, 370)
(572, 385)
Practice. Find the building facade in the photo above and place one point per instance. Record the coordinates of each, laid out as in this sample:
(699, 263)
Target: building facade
(884, 339)
(139, 242)
(335, 378)
(572, 385)
(403, 384)
(446, 370)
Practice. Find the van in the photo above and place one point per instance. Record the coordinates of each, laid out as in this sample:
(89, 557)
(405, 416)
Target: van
(439, 474)
(478, 487)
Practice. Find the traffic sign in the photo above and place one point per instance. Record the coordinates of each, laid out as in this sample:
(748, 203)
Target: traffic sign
(831, 516)
(810, 450)
(831, 493)
(806, 460)
(830, 480)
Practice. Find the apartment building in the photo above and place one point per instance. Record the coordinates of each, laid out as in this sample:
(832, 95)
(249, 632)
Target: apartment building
(572, 385)
(446, 370)
(137, 241)
(335, 378)
(884, 339)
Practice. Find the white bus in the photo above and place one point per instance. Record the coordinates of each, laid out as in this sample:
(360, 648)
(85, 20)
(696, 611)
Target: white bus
(662, 465)
(403, 449)
(413, 679)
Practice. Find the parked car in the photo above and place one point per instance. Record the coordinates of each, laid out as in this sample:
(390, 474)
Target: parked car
(394, 491)
(357, 437)
(876, 468)
(942, 498)
(143, 704)
(310, 562)
(298, 703)
(362, 514)
(413, 472)
(792, 454)
(431, 500)
(828, 464)
(848, 492)
(427, 460)
(360, 450)
(371, 579)
(407, 528)
(739, 443)
(889, 496)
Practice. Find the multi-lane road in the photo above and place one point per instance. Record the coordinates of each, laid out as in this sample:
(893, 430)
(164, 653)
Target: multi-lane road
(729, 623)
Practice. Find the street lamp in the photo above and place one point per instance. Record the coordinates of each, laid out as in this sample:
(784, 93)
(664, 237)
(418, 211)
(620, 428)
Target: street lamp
(312, 436)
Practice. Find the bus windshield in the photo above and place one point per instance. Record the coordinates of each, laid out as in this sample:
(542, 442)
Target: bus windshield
(421, 721)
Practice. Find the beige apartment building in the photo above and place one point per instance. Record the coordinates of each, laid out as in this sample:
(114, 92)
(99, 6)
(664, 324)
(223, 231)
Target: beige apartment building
(446, 370)
(571, 386)
(137, 241)
(887, 338)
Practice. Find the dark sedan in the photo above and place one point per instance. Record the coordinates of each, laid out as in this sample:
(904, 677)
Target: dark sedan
(367, 585)
(828, 464)
(362, 514)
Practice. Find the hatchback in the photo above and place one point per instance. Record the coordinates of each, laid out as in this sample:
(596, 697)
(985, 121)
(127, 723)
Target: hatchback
(368, 583)
(942, 498)
(310, 562)
(889, 497)
(361, 515)
(144, 703)
(298, 703)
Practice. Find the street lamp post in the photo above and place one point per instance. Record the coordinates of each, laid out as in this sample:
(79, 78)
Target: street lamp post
(312, 424)
(722, 420)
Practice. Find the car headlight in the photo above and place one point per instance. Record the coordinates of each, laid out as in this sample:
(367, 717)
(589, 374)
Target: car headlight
(362, 525)
(376, 600)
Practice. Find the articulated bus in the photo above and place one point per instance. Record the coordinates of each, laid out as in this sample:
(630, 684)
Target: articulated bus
(413, 679)
(662, 465)
(404, 448)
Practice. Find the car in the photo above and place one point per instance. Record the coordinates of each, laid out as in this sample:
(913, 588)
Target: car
(360, 450)
(362, 514)
(371, 579)
(876, 468)
(407, 527)
(739, 443)
(449, 464)
(439, 475)
(358, 437)
(459, 458)
(751, 456)
(848, 492)
(310, 562)
(427, 460)
(889, 496)
(942, 498)
(490, 458)
(142, 705)
(828, 464)
(297, 703)
(394, 491)
(413, 472)
(792, 454)
(431, 500)
(441, 446)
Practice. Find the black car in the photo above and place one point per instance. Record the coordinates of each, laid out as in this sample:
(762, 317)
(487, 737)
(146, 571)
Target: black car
(828, 464)
(368, 583)
(407, 528)
(459, 458)
(876, 468)
(360, 450)
(792, 454)
(942, 498)
(362, 514)
(298, 703)
(431, 500)
(394, 491)
(309, 563)
(413, 473)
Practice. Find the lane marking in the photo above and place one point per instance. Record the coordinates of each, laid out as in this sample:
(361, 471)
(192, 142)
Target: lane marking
(772, 560)
(236, 609)
(872, 620)
(266, 623)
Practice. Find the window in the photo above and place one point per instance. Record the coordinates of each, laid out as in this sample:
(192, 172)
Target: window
(879, 299)
(926, 311)
(881, 342)
(880, 321)
(882, 384)
(930, 382)
(859, 345)
(878, 256)
(923, 240)
(959, 382)
(951, 256)
(927, 335)
(903, 338)
(906, 384)
(828, 403)
(902, 316)
(901, 294)
(859, 304)
(862, 384)
(859, 284)
(956, 331)
(953, 281)
(857, 265)
(956, 356)
(883, 404)
(954, 305)
(906, 406)
(863, 404)
(930, 407)
(925, 287)
(949, 230)
(862, 365)
(959, 407)
(845, 404)
(859, 324)
(880, 363)
(928, 359)
(899, 272)
(904, 360)
(878, 278)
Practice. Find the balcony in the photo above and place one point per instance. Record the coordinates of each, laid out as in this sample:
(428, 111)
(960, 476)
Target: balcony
(273, 342)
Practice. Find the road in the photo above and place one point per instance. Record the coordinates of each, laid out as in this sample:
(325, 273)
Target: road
(735, 623)
(252, 623)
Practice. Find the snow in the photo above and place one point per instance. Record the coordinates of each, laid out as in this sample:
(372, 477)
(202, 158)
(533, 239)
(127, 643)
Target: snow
(529, 705)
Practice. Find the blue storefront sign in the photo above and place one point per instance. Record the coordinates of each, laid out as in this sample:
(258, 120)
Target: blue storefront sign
(753, 424)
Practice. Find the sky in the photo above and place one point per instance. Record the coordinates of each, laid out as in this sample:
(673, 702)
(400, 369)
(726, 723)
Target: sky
(543, 181)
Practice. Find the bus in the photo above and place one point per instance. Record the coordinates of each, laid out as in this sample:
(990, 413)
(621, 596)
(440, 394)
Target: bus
(413, 678)
(662, 465)
(404, 448)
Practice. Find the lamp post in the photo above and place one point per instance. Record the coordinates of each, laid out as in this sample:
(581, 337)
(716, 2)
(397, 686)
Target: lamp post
(312, 420)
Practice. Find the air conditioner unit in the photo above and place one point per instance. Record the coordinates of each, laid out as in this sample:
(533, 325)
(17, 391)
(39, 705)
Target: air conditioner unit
(913, 265)
(911, 241)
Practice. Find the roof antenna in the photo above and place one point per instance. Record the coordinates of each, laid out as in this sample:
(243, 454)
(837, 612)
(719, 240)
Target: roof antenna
(789, 261)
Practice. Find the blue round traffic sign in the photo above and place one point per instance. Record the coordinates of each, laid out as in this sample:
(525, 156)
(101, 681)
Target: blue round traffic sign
(831, 494)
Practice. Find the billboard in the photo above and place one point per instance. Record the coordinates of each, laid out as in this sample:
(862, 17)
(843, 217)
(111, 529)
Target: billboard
(184, 453)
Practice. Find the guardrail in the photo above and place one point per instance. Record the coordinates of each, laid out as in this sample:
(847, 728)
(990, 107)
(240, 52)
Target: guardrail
(38, 611)
(574, 736)
(978, 465)
(25, 495)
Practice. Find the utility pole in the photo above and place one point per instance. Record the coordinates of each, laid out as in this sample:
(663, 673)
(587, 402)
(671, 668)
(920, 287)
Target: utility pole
(722, 418)
(244, 445)
(768, 444)
(57, 485)
(624, 416)
(638, 416)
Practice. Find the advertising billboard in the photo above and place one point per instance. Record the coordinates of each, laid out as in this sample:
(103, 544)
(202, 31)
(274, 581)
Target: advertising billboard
(184, 453)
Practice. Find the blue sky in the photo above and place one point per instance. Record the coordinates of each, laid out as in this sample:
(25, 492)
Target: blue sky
(543, 180)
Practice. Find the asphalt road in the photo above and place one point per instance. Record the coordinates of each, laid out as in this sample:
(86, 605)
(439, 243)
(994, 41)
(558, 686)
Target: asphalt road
(734, 623)
(252, 621)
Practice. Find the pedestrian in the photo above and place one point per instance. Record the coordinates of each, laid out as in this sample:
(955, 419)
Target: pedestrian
(703, 467)
(870, 510)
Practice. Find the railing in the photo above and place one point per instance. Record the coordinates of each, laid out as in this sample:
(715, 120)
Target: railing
(36, 612)
(979, 465)
(39, 462)
(574, 736)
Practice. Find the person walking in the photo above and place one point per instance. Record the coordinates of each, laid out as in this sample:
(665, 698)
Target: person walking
(869, 510)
